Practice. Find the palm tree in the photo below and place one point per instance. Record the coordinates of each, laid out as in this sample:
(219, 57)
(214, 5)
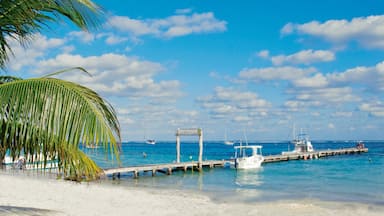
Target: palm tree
(49, 118)
(45, 117)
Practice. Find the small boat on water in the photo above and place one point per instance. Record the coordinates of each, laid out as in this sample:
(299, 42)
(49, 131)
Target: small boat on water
(360, 145)
(228, 142)
(302, 144)
(150, 141)
(248, 157)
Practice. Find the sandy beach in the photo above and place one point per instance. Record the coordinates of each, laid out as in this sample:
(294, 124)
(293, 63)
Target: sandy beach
(31, 195)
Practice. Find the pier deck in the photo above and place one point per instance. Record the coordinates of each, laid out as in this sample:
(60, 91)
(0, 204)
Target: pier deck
(169, 168)
(164, 168)
(313, 155)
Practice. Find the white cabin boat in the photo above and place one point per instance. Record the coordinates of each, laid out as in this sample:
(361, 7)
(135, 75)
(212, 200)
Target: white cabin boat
(302, 145)
(248, 157)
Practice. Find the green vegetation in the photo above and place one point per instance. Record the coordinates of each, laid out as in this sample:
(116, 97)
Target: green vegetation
(47, 117)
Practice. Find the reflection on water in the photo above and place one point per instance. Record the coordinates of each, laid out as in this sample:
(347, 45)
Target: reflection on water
(248, 178)
(248, 184)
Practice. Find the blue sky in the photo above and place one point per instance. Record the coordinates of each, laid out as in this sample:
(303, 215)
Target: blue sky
(254, 66)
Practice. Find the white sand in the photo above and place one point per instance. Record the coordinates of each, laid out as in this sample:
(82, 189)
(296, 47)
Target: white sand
(26, 195)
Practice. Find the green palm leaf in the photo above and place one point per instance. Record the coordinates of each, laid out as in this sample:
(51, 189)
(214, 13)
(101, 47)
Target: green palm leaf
(19, 19)
(53, 117)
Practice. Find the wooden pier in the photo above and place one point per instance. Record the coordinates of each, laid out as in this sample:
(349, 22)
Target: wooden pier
(164, 168)
(313, 155)
(169, 168)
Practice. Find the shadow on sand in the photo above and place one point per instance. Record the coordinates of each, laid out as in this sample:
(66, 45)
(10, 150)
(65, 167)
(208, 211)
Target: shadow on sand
(16, 210)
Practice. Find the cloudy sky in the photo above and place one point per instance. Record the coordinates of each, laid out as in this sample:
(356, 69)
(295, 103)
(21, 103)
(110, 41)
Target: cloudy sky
(257, 67)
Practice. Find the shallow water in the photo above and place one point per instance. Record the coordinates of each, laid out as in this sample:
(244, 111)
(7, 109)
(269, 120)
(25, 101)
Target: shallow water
(352, 178)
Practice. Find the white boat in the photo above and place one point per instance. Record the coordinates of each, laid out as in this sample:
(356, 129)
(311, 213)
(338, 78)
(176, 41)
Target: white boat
(23, 163)
(302, 144)
(150, 141)
(17, 163)
(226, 141)
(248, 157)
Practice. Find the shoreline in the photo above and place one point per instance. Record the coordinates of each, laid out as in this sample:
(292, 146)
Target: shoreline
(28, 195)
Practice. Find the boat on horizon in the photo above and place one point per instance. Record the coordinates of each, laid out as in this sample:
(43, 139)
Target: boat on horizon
(226, 141)
(150, 141)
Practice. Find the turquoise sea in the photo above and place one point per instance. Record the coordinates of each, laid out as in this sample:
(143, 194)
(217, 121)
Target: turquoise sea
(349, 178)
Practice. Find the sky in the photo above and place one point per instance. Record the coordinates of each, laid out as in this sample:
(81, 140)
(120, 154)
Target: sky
(245, 68)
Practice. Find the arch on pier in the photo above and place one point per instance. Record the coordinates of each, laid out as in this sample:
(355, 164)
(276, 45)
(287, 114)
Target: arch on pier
(190, 132)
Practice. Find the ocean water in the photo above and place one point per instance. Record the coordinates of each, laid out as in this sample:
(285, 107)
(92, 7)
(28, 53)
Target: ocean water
(349, 178)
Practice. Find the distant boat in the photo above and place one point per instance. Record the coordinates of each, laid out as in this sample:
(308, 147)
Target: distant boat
(150, 141)
(248, 157)
(226, 141)
(302, 144)
(360, 145)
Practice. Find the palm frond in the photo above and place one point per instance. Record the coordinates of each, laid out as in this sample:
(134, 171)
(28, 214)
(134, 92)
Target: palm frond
(53, 117)
(19, 19)
(67, 70)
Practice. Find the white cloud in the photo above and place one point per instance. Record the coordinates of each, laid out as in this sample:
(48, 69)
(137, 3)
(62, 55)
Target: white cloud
(367, 31)
(114, 74)
(316, 114)
(85, 37)
(342, 114)
(375, 108)
(370, 77)
(173, 26)
(227, 101)
(287, 29)
(26, 56)
(242, 118)
(324, 97)
(183, 11)
(304, 57)
(308, 88)
(275, 73)
(135, 27)
(113, 39)
(300, 105)
(263, 54)
(316, 81)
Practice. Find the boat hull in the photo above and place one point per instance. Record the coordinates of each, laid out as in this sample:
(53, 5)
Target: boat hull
(252, 162)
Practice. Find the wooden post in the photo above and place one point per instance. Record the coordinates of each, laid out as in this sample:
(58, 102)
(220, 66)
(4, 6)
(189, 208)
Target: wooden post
(177, 146)
(190, 132)
(200, 149)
